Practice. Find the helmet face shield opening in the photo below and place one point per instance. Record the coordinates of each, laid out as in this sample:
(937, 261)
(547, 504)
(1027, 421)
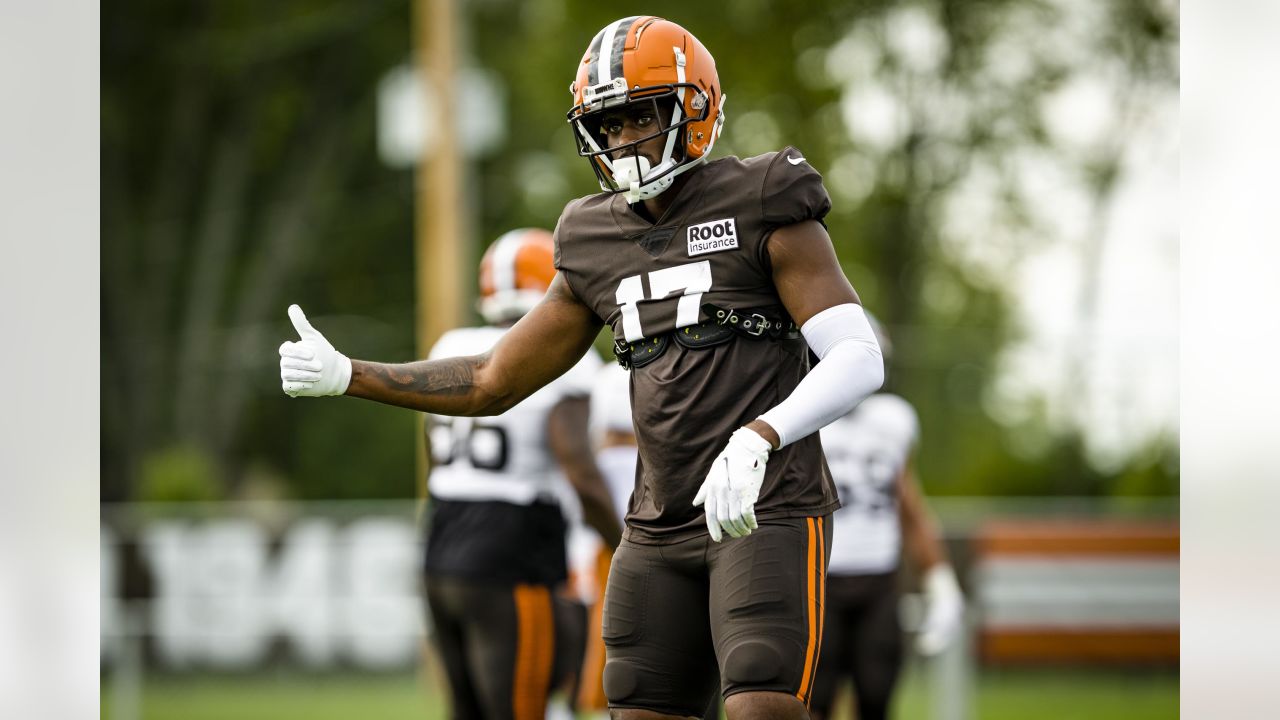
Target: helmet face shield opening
(592, 131)
(599, 124)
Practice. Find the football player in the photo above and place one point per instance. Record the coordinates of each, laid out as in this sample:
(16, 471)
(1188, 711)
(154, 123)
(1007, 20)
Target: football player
(883, 511)
(495, 551)
(614, 439)
(717, 279)
(612, 433)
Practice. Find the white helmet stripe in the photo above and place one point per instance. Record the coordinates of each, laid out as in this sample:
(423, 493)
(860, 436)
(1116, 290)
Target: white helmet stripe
(607, 48)
(504, 261)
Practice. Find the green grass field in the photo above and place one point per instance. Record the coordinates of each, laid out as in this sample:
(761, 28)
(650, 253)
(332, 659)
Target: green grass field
(999, 695)
(1058, 695)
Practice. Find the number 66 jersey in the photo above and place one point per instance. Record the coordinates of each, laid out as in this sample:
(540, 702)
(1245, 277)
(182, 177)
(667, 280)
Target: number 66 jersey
(659, 287)
(497, 491)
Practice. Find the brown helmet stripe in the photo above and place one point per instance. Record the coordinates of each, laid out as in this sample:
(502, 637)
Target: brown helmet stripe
(593, 64)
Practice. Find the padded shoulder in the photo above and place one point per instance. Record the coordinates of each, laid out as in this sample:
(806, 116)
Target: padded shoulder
(791, 191)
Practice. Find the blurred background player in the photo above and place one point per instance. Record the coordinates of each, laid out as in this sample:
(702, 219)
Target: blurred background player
(614, 439)
(883, 509)
(612, 433)
(495, 552)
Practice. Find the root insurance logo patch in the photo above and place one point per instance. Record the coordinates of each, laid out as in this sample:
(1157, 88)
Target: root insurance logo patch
(714, 236)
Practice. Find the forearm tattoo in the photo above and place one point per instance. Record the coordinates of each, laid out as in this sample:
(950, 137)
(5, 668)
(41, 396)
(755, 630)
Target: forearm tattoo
(445, 386)
(447, 377)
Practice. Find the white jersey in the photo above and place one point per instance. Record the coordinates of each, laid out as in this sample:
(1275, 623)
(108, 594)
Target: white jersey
(867, 450)
(611, 402)
(618, 466)
(506, 457)
(610, 410)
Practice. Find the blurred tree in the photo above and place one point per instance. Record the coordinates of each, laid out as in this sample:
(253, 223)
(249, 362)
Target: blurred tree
(237, 176)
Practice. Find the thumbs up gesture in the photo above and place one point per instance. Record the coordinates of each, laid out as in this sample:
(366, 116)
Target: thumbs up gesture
(311, 366)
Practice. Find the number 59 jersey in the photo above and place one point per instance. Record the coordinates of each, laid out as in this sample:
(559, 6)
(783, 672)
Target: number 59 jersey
(505, 457)
(646, 281)
(867, 450)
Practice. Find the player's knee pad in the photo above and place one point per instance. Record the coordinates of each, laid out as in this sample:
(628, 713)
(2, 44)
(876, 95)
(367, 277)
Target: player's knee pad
(619, 680)
(753, 662)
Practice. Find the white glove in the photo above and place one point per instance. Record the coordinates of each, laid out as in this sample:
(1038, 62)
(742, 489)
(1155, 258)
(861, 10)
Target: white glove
(733, 485)
(944, 610)
(312, 366)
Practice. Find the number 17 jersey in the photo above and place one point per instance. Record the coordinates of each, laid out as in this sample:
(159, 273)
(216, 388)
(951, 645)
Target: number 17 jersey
(646, 280)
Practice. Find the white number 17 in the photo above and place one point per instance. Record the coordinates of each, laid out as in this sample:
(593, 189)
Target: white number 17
(693, 279)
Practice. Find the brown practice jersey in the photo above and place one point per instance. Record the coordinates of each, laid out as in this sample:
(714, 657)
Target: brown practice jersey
(645, 280)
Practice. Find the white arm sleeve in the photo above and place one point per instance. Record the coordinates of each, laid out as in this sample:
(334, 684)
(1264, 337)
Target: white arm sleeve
(851, 369)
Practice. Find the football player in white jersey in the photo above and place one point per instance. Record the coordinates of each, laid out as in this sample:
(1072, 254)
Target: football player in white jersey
(495, 552)
(614, 439)
(883, 512)
(612, 433)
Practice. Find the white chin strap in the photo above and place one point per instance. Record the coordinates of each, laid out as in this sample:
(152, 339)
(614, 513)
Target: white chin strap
(631, 172)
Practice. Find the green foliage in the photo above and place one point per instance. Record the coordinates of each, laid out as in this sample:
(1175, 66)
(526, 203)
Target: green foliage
(354, 450)
(1152, 472)
(178, 474)
(239, 175)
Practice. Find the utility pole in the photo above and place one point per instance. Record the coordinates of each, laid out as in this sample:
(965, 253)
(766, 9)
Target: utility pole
(440, 236)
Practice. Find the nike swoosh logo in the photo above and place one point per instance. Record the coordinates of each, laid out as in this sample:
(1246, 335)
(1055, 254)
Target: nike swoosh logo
(795, 161)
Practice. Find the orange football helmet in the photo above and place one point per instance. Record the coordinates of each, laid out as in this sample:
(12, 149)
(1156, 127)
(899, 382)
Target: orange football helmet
(645, 59)
(515, 273)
